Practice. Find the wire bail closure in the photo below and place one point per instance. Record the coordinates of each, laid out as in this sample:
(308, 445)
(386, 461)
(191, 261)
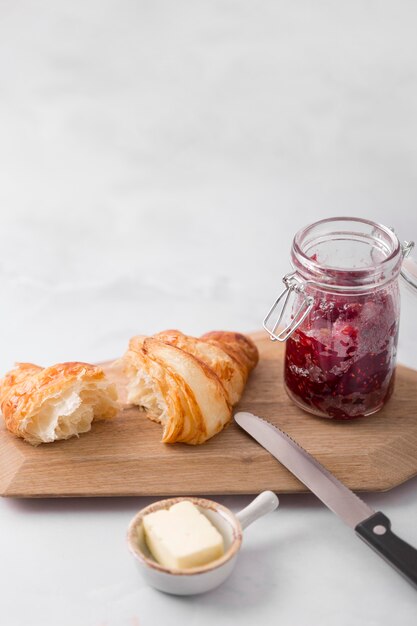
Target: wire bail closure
(292, 284)
(407, 247)
(409, 266)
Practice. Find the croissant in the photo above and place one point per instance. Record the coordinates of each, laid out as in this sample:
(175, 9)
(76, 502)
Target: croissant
(42, 405)
(188, 385)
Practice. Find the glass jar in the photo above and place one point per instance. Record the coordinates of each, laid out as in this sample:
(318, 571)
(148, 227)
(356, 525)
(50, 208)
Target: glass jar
(342, 306)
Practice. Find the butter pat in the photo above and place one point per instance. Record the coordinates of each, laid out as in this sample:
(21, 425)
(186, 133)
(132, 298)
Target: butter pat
(181, 537)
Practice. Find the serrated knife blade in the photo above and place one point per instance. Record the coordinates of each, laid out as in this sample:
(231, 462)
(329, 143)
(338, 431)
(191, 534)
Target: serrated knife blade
(373, 527)
(306, 468)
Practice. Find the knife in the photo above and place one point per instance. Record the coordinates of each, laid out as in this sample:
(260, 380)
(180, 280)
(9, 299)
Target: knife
(371, 526)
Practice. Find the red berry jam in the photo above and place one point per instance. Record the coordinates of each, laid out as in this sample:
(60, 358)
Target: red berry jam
(340, 363)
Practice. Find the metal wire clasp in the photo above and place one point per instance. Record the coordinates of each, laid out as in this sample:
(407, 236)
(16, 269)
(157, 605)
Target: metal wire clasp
(406, 248)
(292, 284)
(409, 266)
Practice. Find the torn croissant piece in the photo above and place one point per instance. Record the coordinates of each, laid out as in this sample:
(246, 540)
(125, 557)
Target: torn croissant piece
(42, 405)
(189, 385)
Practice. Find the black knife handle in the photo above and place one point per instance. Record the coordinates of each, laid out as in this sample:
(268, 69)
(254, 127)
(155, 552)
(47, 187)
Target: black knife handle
(376, 531)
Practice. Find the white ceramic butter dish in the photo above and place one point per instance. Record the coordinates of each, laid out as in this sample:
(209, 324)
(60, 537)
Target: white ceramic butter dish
(206, 577)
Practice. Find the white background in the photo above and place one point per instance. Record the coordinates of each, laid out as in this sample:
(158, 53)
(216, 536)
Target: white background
(156, 159)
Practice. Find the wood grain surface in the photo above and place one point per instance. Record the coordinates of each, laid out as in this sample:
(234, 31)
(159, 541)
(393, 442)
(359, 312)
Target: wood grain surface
(125, 456)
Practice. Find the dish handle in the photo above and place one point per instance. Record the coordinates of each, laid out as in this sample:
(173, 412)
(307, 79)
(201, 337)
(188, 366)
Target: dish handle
(266, 502)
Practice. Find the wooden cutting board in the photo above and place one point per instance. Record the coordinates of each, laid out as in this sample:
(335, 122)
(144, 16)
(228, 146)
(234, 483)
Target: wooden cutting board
(125, 457)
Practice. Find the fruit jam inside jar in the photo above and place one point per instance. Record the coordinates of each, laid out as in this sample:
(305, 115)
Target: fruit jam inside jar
(340, 361)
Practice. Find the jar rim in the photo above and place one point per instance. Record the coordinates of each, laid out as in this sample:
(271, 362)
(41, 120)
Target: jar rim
(343, 276)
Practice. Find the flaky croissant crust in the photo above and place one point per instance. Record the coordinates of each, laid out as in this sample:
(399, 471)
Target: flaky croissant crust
(189, 384)
(24, 389)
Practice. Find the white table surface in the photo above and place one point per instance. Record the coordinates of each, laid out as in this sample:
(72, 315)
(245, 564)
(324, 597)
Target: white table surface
(155, 160)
